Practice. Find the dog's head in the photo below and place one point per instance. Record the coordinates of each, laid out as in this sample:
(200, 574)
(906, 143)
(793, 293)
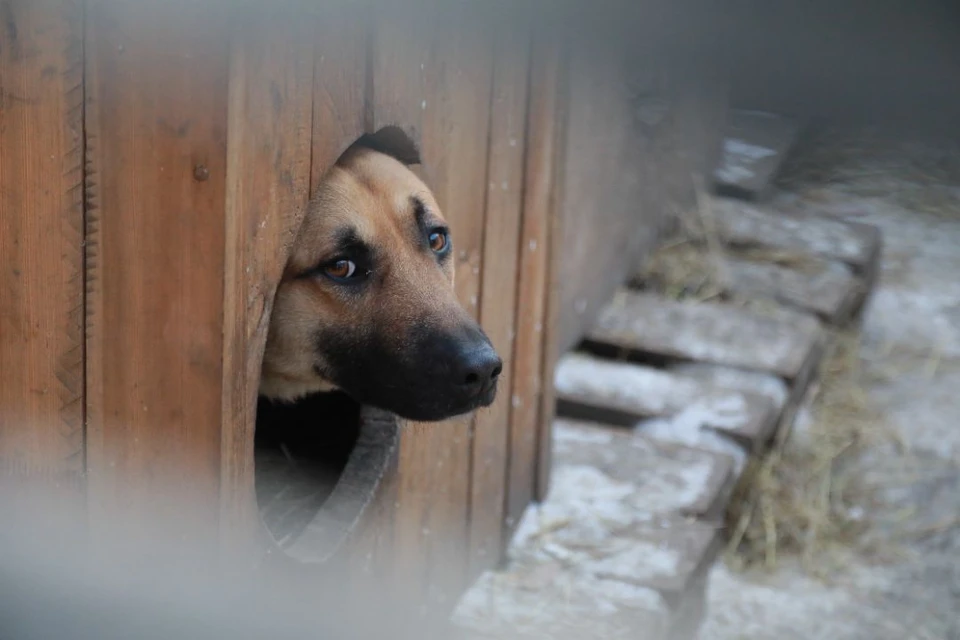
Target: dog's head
(367, 305)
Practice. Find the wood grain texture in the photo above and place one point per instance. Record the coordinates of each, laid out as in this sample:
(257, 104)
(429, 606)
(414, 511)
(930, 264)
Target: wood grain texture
(267, 185)
(41, 237)
(609, 212)
(156, 125)
(341, 61)
(556, 257)
(399, 86)
(639, 138)
(435, 84)
(498, 299)
(534, 276)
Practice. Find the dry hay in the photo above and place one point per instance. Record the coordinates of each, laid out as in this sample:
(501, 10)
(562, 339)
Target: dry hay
(798, 499)
(693, 265)
(682, 269)
(687, 269)
(803, 497)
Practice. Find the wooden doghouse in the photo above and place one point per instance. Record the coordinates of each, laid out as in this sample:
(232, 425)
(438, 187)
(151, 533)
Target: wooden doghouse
(156, 159)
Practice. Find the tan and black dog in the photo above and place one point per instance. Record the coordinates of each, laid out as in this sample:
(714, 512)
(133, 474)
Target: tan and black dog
(367, 306)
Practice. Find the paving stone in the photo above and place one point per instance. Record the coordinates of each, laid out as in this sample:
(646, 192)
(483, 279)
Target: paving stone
(548, 600)
(672, 479)
(688, 616)
(825, 288)
(754, 148)
(597, 524)
(778, 341)
(623, 393)
(853, 243)
(608, 554)
(768, 385)
(667, 558)
(786, 396)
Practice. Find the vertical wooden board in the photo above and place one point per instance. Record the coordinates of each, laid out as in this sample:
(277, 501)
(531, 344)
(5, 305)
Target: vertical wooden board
(456, 120)
(156, 136)
(41, 265)
(435, 84)
(611, 209)
(551, 338)
(342, 44)
(401, 64)
(532, 309)
(41, 236)
(267, 186)
(498, 299)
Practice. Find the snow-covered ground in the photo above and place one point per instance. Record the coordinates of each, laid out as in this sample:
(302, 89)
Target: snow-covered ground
(911, 353)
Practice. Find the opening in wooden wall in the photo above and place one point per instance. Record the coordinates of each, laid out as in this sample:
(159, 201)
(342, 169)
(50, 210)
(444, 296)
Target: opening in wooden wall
(320, 459)
(301, 449)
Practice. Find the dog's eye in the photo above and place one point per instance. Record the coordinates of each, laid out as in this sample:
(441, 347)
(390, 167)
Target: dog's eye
(438, 241)
(341, 269)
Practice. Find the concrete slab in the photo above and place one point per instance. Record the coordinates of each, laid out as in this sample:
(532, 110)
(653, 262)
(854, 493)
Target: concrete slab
(671, 479)
(646, 325)
(754, 147)
(613, 549)
(623, 393)
(825, 288)
(768, 385)
(853, 243)
(593, 523)
(548, 599)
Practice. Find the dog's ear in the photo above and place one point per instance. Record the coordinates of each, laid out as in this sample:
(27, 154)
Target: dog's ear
(394, 142)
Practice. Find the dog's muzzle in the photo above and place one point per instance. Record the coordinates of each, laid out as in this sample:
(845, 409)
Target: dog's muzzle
(464, 368)
(431, 374)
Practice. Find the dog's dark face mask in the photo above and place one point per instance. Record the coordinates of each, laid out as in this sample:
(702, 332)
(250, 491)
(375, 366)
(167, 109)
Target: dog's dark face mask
(418, 371)
(368, 306)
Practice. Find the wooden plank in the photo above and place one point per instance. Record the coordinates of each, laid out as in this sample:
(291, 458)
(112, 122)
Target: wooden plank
(435, 84)
(267, 185)
(779, 343)
(555, 259)
(498, 296)
(540, 185)
(612, 205)
(744, 225)
(827, 289)
(41, 239)
(156, 124)
(624, 393)
(340, 84)
(400, 80)
(755, 146)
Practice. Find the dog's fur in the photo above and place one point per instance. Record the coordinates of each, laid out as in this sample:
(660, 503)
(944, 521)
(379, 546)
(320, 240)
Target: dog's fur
(396, 338)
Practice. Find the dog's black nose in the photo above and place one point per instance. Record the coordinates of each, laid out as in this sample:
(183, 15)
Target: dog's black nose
(477, 368)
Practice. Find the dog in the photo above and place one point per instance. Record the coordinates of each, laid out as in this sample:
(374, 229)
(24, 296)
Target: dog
(366, 303)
